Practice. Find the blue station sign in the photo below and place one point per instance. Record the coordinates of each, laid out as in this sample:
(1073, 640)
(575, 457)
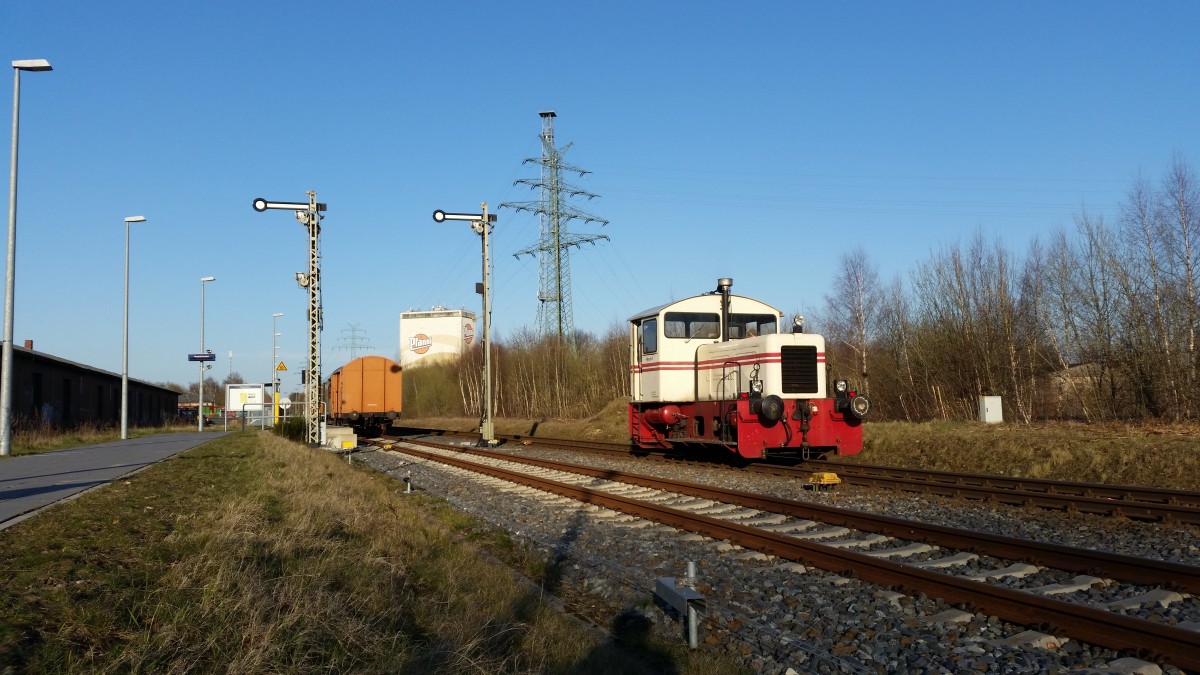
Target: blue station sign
(208, 356)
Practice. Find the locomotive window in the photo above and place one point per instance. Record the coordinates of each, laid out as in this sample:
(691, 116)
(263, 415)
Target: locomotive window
(751, 325)
(649, 336)
(692, 325)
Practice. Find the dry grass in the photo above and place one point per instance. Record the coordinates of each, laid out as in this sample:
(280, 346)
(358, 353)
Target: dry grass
(253, 554)
(29, 440)
(1162, 456)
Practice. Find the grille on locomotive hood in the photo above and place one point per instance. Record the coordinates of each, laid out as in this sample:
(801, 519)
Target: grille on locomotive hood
(799, 369)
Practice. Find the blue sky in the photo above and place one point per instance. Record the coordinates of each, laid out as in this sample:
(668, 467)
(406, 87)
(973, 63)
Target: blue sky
(759, 141)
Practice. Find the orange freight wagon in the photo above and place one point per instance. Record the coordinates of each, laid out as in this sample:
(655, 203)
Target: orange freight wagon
(365, 393)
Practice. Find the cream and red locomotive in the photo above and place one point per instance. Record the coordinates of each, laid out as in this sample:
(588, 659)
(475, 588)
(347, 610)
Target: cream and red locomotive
(717, 369)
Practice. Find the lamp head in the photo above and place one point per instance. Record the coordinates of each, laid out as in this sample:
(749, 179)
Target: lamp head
(204, 279)
(135, 219)
(32, 64)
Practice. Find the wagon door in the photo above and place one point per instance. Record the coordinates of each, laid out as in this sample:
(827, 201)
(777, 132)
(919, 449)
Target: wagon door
(644, 369)
(374, 386)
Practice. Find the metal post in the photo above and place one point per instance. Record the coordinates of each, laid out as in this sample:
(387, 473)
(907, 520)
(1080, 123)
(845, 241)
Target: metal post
(125, 336)
(6, 354)
(681, 595)
(693, 616)
(312, 391)
(481, 224)
(274, 370)
(200, 389)
(125, 347)
(487, 431)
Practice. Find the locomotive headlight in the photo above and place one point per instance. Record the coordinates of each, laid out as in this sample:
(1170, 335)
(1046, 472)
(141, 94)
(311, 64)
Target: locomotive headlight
(756, 387)
(841, 386)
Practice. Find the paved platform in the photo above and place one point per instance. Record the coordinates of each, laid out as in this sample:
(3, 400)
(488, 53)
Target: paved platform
(29, 483)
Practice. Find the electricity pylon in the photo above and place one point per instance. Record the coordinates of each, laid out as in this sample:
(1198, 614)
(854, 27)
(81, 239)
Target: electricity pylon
(555, 315)
(355, 343)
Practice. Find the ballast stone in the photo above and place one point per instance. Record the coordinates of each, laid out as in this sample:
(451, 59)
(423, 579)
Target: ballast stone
(1031, 638)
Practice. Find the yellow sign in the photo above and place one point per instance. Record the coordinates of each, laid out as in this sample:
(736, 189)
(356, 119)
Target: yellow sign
(281, 366)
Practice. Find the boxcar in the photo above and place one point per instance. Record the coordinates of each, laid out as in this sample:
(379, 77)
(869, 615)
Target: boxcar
(365, 393)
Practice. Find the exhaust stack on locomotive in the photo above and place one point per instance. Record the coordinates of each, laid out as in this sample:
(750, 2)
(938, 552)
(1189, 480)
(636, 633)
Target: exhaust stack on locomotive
(717, 369)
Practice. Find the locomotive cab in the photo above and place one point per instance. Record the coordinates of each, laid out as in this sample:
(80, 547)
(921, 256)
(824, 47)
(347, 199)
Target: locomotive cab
(716, 369)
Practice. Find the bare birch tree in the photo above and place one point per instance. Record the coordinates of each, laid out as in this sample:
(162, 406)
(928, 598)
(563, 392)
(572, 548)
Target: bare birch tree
(854, 307)
(1179, 201)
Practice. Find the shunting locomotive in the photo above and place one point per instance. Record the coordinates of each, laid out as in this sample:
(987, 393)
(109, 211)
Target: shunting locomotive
(717, 369)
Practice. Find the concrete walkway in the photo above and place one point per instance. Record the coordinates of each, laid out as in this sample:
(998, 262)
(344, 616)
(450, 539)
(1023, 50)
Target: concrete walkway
(29, 483)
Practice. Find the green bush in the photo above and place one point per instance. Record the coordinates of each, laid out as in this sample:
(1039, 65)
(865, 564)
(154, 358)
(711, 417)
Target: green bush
(292, 429)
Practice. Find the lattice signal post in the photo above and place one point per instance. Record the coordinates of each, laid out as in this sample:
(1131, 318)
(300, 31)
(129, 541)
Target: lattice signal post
(555, 315)
(309, 215)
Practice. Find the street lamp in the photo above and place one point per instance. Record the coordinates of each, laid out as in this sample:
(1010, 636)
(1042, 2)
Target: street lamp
(125, 337)
(200, 400)
(6, 376)
(274, 371)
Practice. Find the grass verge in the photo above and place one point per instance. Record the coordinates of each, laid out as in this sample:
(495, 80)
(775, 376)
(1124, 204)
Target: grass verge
(37, 439)
(1165, 456)
(255, 554)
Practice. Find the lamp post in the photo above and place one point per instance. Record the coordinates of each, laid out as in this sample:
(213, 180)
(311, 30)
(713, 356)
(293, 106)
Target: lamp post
(6, 371)
(274, 370)
(125, 336)
(200, 403)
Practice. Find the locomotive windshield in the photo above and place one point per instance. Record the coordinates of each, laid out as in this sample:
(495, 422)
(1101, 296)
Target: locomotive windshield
(707, 325)
(692, 325)
(752, 325)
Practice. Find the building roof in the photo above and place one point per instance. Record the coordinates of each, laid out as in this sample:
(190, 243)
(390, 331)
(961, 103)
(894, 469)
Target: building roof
(33, 355)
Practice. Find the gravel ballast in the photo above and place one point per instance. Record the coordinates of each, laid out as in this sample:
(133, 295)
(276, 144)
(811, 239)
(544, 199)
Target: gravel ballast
(780, 617)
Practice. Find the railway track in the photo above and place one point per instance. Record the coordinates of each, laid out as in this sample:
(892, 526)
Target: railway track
(1139, 503)
(786, 539)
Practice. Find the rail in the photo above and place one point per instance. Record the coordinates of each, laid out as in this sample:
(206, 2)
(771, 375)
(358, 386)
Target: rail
(1122, 501)
(1172, 644)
